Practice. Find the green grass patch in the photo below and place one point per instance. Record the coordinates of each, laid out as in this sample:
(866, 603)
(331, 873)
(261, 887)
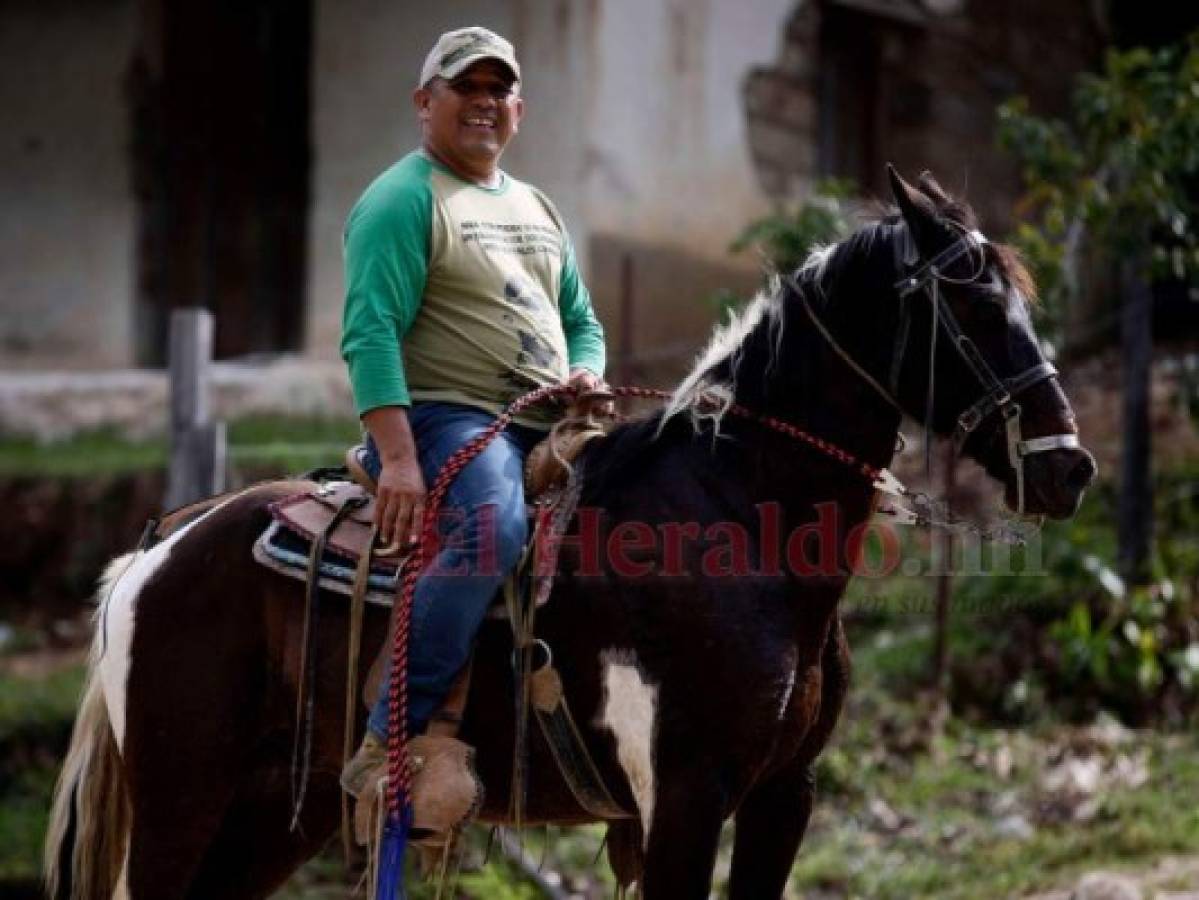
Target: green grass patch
(24, 814)
(267, 442)
(102, 452)
(33, 707)
(950, 847)
(35, 724)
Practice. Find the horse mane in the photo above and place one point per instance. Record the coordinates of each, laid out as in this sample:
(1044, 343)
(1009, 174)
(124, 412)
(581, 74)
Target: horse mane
(714, 372)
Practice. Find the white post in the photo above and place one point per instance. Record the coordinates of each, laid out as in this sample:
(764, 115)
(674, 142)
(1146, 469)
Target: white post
(197, 467)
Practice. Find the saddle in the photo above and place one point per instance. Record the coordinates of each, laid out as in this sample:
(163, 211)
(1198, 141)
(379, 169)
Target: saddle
(310, 514)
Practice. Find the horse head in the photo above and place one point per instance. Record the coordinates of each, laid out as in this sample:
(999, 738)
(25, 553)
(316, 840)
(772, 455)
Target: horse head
(991, 386)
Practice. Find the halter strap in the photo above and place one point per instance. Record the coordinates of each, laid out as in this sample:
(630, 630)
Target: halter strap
(1049, 442)
(999, 396)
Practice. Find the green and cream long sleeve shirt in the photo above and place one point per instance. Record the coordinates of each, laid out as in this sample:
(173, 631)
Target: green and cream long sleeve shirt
(460, 293)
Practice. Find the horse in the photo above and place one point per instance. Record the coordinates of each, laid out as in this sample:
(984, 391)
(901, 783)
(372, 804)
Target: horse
(706, 675)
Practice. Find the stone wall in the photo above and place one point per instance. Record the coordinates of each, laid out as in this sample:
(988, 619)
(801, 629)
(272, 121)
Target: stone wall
(861, 82)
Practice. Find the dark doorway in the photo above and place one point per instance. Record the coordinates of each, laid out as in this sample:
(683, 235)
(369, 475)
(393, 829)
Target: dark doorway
(219, 93)
(850, 107)
(871, 98)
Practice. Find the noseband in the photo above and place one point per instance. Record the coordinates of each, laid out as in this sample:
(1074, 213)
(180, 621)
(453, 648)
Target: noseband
(998, 393)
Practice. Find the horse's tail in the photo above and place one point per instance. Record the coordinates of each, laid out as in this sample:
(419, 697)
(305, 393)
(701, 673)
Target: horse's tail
(90, 816)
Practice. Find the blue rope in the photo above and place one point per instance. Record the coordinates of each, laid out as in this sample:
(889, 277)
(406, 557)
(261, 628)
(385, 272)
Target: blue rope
(390, 885)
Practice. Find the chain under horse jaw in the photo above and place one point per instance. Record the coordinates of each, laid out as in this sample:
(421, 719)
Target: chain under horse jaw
(999, 396)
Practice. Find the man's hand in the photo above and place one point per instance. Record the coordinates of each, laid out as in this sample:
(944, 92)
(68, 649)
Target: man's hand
(400, 502)
(400, 492)
(588, 382)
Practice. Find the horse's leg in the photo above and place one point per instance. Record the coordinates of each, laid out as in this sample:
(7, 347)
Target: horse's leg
(626, 852)
(177, 811)
(256, 850)
(684, 834)
(770, 825)
(773, 816)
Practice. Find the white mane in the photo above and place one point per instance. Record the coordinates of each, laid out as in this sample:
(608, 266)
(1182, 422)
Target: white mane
(727, 339)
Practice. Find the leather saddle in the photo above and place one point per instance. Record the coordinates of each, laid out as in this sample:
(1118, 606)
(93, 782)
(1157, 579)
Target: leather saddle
(309, 515)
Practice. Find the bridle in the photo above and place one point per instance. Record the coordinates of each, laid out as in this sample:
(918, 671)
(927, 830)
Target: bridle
(999, 394)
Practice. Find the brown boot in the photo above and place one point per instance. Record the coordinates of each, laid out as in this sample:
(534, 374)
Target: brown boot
(368, 764)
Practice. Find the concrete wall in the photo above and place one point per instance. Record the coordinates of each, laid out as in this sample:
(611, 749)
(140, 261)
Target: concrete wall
(668, 159)
(941, 76)
(66, 210)
(668, 178)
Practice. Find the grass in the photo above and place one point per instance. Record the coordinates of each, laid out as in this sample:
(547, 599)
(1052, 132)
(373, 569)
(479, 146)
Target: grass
(32, 709)
(35, 724)
(101, 452)
(1133, 828)
(24, 814)
(564, 857)
(275, 443)
(950, 797)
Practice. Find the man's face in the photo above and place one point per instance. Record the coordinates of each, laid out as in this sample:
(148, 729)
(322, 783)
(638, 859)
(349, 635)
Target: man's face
(469, 120)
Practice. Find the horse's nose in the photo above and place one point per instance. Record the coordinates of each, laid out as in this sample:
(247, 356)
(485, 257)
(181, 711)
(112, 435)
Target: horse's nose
(1083, 472)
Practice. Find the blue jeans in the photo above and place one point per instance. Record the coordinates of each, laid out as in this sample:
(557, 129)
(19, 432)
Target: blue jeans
(483, 531)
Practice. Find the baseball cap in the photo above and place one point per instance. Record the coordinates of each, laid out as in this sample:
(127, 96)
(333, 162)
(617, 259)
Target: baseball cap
(456, 51)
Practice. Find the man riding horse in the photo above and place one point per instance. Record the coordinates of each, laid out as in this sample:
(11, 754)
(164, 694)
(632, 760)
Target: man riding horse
(203, 761)
(462, 293)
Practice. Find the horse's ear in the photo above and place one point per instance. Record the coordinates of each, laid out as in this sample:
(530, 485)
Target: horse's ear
(929, 185)
(917, 209)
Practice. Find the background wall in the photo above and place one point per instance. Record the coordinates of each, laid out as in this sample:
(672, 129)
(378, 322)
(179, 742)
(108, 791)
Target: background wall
(66, 209)
(659, 128)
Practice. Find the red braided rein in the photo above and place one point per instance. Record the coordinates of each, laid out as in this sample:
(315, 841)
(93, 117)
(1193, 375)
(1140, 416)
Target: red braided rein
(399, 769)
(399, 783)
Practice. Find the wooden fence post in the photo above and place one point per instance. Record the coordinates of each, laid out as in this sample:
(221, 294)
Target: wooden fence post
(197, 466)
(944, 594)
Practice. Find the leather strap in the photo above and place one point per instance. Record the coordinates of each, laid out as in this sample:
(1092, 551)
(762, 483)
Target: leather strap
(540, 691)
(301, 755)
(568, 748)
(353, 664)
(1000, 394)
(448, 719)
(932, 269)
